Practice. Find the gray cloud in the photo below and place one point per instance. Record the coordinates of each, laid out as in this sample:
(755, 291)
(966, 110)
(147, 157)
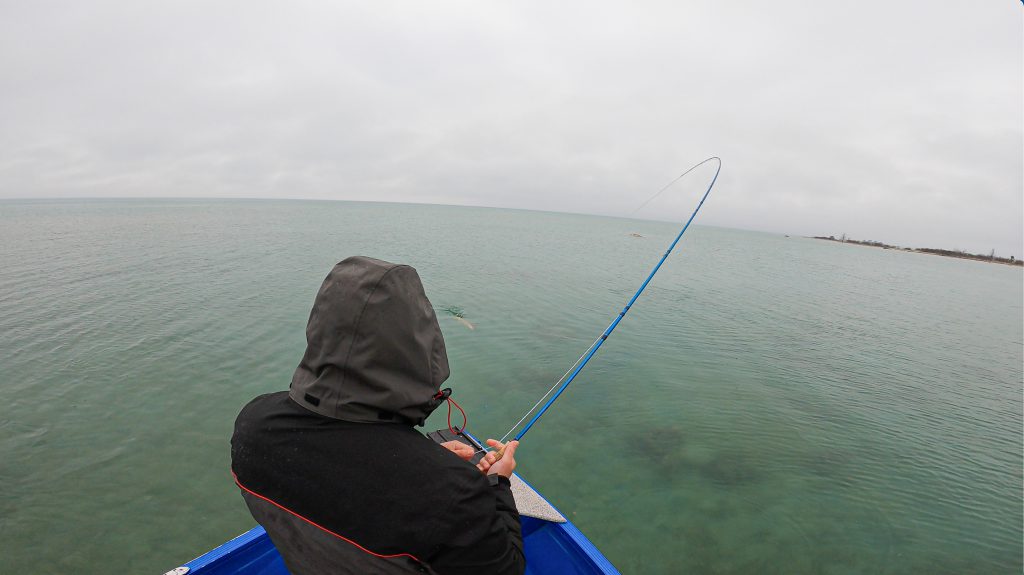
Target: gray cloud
(897, 121)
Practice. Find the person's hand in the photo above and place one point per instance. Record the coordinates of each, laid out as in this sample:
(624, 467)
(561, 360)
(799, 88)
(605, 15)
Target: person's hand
(464, 451)
(507, 463)
(486, 461)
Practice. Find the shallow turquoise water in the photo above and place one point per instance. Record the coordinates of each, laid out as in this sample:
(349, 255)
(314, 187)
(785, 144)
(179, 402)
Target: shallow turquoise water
(770, 405)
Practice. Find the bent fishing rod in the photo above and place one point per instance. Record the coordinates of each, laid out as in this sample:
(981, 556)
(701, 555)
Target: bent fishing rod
(567, 378)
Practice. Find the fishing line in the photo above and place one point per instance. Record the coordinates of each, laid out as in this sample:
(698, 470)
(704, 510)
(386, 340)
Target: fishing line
(563, 382)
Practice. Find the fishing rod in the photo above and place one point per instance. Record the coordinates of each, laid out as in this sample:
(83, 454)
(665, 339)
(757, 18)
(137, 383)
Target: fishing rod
(567, 378)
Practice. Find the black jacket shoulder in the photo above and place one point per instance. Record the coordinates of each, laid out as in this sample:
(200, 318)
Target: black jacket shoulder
(382, 485)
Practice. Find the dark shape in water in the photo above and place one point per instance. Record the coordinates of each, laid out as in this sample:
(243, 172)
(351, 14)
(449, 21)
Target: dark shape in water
(662, 447)
(454, 310)
(457, 312)
(729, 471)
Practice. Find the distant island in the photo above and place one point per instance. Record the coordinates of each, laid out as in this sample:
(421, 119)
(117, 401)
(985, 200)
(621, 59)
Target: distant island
(991, 257)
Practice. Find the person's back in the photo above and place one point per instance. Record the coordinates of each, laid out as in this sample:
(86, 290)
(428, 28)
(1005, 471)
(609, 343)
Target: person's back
(334, 469)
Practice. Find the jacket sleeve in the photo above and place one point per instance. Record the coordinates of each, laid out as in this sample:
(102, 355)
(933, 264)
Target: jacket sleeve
(484, 534)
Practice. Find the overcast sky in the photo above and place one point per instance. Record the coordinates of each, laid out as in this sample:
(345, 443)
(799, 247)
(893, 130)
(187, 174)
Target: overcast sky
(893, 120)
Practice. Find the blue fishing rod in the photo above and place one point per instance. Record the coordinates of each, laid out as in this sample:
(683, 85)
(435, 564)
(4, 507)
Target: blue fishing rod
(564, 381)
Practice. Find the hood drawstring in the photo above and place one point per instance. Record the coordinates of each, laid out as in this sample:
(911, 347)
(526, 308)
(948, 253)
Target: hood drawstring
(446, 395)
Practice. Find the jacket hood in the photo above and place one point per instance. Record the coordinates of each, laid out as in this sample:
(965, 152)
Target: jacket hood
(374, 350)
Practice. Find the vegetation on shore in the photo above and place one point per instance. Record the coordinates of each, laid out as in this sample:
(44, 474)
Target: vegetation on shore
(990, 257)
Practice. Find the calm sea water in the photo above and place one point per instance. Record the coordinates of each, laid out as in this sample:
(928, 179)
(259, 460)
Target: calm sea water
(770, 405)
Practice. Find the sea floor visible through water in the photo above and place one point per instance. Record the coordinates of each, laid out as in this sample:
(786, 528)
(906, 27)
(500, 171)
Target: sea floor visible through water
(770, 405)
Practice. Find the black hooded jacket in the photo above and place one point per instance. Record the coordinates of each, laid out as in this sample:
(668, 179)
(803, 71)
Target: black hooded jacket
(334, 469)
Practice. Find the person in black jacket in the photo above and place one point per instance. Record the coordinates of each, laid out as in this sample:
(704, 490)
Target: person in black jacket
(334, 468)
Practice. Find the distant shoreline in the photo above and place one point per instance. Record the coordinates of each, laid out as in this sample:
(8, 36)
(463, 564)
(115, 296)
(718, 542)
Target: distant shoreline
(991, 258)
